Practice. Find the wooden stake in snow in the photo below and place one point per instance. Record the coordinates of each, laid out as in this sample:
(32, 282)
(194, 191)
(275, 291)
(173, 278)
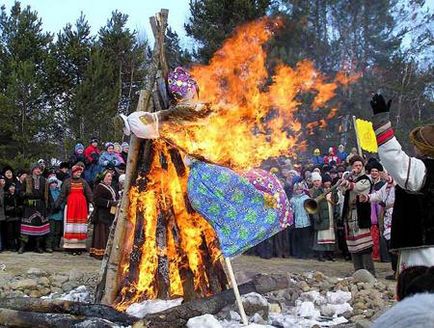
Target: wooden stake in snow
(236, 291)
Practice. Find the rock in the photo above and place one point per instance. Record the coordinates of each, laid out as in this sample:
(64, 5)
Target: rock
(76, 275)
(233, 316)
(35, 293)
(44, 281)
(357, 318)
(45, 291)
(274, 308)
(255, 303)
(57, 290)
(67, 287)
(303, 286)
(258, 319)
(363, 323)
(204, 321)
(369, 313)
(319, 276)
(36, 272)
(16, 293)
(363, 275)
(58, 280)
(24, 284)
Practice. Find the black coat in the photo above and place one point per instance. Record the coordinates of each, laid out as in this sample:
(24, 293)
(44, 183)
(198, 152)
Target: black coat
(13, 207)
(104, 199)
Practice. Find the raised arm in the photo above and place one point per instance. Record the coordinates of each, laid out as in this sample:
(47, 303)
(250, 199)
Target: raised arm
(408, 172)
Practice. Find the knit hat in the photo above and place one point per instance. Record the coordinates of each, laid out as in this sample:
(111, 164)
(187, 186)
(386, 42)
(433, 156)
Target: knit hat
(93, 139)
(78, 147)
(117, 147)
(76, 168)
(297, 186)
(423, 138)
(125, 145)
(34, 166)
(316, 176)
(108, 144)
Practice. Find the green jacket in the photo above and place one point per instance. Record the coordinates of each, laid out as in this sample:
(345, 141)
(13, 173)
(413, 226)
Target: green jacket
(321, 220)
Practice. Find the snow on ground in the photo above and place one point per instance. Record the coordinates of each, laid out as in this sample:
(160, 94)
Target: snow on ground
(310, 309)
(79, 294)
(139, 310)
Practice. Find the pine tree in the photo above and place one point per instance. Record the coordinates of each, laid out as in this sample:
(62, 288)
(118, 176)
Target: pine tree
(212, 21)
(24, 104)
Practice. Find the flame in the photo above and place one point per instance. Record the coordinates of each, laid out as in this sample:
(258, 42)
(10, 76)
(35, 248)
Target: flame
(182, 244)
(254, 113)
(255, 116)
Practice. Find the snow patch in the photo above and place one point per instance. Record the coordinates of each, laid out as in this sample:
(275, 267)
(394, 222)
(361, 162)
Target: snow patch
(139, 310)
(254, 298)
(204, 321)
(338, 297)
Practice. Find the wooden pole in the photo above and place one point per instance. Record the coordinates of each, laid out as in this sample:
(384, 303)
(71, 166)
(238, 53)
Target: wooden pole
(119, 250)
(236, 291)
(359, 148)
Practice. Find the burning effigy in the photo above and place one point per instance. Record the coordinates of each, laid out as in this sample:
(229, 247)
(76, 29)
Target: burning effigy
(226, 118)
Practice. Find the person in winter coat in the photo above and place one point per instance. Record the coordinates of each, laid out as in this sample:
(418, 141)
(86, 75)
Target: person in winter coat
(63, 172)
(2, 214)
(78, 195)
(9, 176)
(385, 198)
(301, 243)
(118, 151)
(125, 149)
(34, 222)
(78, 155)
(14, 212)
(93, 168)
(323, 220)
(106, 200)
(357, 216)
(317, 159)
(109, 157)
(412, 232)
(55, 215)
(331, 158)
(342, 154)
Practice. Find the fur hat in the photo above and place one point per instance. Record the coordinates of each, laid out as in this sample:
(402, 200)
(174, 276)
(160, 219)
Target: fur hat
(34, 166)
(316, 176)
(7, 168)
(423, 138)
(356, 158)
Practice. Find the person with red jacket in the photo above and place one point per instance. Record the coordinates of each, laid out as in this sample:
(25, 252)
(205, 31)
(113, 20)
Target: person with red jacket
(331, 157)
(91, 154)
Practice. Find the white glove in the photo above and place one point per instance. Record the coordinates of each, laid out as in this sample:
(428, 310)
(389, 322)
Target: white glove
(143, 124)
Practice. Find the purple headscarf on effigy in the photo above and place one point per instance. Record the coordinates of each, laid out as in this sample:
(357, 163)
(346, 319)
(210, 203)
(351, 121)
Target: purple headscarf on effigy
(181, 84)
(270, 184)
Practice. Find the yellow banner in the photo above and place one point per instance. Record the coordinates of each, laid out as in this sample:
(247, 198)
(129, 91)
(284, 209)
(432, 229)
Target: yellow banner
(366, 135)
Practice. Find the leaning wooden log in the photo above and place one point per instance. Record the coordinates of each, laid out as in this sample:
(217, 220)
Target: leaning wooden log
(179, 315)
(21, 319)
(119, 250)
(29, 304)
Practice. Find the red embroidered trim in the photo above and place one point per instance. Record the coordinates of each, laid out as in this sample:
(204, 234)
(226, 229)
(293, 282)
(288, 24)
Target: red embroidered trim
(385, 136)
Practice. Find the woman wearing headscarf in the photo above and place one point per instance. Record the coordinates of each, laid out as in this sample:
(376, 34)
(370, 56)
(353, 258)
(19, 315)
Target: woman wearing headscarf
(106, 200)
(78, 195)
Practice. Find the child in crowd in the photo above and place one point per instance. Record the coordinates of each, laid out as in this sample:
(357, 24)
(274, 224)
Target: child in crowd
(55, 216)
(301, 242)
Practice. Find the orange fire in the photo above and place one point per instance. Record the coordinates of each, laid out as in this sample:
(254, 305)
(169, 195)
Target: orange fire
(254, 112)
(254, 118)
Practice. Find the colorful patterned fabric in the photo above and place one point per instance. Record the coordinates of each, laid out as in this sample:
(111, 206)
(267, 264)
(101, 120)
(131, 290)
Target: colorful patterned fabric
(270, 184)
(241, 215)
(181, 84)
